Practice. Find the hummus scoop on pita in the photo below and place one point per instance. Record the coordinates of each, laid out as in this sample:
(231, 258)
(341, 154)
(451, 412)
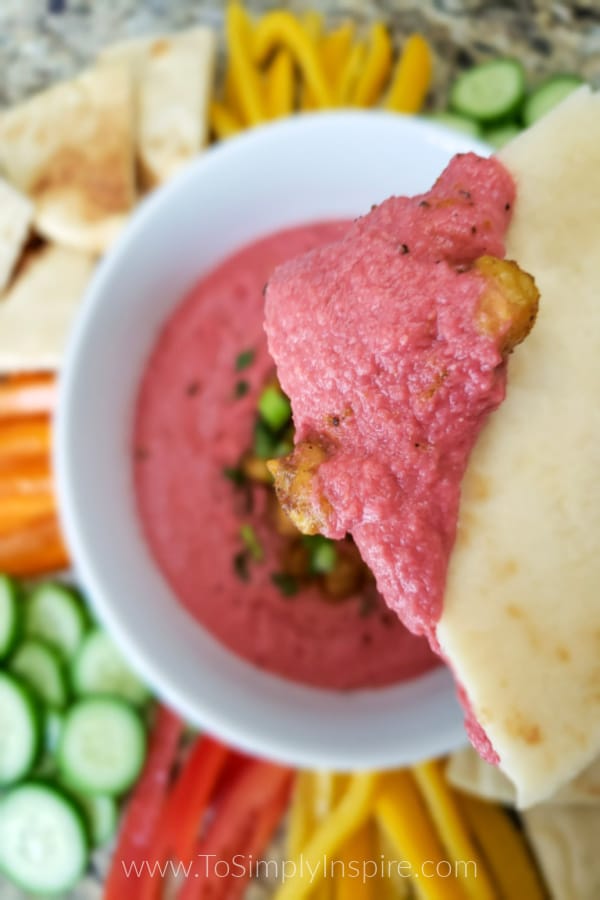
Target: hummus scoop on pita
(518, 614)
(71, 150)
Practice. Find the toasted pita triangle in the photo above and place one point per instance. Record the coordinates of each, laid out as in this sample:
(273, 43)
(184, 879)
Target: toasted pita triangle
(37, 311)
(71, 149)
(16, 216)
(565, 842)
(521, 618)
(468, 772)
(175, 75)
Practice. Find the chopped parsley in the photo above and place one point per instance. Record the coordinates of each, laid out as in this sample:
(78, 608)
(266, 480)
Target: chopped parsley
(236, 475)
(253, 545)
(322, 554)
(244, 359)
(241, 389)
(287, 584)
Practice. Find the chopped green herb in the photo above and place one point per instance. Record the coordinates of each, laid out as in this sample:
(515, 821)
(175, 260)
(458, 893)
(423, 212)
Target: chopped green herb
(322, 554)
(282, 448)
(241, 389)
(286, 583)
(244, 360)
(265, 442)
(240, 565)
(235, 475)
(274, 407)
(253, 545)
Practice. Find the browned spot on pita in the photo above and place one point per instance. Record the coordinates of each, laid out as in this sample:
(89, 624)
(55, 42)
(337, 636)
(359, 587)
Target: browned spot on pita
(466, 526)
(160, 47)
(528, 732)
(506, 568)
(514, 611)
(480, 487)
(91, 176)
(563, 653)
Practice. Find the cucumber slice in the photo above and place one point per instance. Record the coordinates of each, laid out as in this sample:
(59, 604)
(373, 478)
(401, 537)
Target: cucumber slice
(501, 135)
(548, 95)
(489, 92)
(20, 730)
(55, 613)
(54, 722)
(103, 746)
(11, 615)
(43, 842)
(99, 668)
(41, 667)
(101, 813)
(456, 123)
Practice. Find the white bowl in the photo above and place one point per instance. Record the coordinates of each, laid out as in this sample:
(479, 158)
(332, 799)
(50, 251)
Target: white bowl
(303, 169)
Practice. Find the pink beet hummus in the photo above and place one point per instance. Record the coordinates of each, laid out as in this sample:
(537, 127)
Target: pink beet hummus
(376, 342)
(192, 424)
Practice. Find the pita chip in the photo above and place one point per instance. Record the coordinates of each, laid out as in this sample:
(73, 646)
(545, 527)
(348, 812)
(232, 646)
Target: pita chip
(71, 149)
(37, 311)
(16, 217)
(175, 76)
(521, 619)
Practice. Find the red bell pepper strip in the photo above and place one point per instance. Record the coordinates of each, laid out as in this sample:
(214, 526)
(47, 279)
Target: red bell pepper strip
(177, 833)
(145, 808)
(246, 817)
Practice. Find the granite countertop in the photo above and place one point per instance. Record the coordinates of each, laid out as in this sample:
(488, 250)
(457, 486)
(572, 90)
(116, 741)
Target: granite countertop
(41, 42)
(38, 46)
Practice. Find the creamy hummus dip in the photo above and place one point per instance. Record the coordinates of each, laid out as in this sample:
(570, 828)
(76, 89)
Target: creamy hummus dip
(195, 419)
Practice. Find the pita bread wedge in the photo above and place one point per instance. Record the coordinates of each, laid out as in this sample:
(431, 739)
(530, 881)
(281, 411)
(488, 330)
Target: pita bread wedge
(521, 618)
(16, 216)
(37, 311)
(565, 843)
(468, 772)
(71, 149)
(175, 75)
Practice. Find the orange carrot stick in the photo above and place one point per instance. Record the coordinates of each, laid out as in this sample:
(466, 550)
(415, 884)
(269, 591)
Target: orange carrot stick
(34, 550)
(30, 394)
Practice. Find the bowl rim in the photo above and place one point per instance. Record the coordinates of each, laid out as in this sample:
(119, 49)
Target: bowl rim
(452, 733)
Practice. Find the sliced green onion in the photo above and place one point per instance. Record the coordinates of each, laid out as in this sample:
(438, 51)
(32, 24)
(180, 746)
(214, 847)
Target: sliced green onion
(286, 583)
(245, 359)
(248, 535)
(322, 554)
(274, 407)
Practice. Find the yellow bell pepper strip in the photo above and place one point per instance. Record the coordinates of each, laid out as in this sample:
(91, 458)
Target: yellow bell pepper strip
(335, 49)
(358, 875)
(401, 814)
(245, 81)
(453, 829)
(376, 69)
(280, 86)
(505, 849)
(395, 885)
(313, 23)
(412, 77)
(350, 75)
(281, 28)
(302, 816)
(223, 122)
(348, 815)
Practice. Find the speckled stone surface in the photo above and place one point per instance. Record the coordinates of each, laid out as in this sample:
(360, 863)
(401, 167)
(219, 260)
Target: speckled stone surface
(39, 47)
